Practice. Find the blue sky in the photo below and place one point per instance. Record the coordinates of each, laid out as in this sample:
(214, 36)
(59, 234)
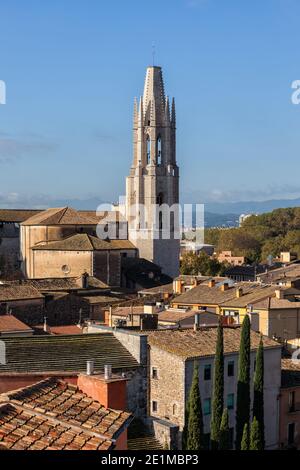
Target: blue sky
(73, 67)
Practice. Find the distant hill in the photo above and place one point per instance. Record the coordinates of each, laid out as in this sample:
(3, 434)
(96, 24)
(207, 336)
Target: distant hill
(246, 207)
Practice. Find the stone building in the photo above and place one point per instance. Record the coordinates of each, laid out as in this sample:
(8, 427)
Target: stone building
(172, 356)
(63, 243)
(153, 182)
(289, 402)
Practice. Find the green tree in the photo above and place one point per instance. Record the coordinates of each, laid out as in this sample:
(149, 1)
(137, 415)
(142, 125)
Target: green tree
(243, 386)
(218, 389)
(224, 436)
(195, 438)
(258, 400)
(256, 440)
(245, 444)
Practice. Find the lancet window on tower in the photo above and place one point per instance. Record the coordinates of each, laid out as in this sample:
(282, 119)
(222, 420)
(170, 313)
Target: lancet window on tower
(158, 151)
(148, 150)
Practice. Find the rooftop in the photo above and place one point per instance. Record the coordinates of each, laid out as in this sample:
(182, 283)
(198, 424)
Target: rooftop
(204, 294)
(57, 284)
(85, 242)
(290, 373)
(65, 353)
(189, 344)
(54, 415)
(10, 324)
(61, 216)
(177, 315)
(18, 292)
(16, 215)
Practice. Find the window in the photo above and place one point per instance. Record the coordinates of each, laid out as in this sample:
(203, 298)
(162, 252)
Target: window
(230, 401)
(207, 372)
(291, 433)
(154, 373)
(154, 406)
(148, 150)
(230, 369)
(158, 151)
(207, 407)
(174, 409)
(291, 402)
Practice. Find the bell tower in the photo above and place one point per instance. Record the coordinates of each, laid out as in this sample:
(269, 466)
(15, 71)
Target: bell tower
(152, 188)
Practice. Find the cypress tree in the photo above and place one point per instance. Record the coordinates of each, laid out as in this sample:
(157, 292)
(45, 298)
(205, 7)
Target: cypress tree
(218, 389)
(256, 442)
(243, 386)
(195, 421)
(224, 435)
(245, 444)
(258, 400)
(185, 429)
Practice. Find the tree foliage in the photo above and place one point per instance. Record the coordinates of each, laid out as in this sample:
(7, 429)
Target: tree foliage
(260, 235)
(256, 440)
(258, 400)
(243, 386)
(218, 389)
(245, 443)
(202, 264)
(224, 437)
(195, 437)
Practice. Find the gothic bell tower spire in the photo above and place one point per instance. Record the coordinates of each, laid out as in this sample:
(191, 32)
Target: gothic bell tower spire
(154, 175)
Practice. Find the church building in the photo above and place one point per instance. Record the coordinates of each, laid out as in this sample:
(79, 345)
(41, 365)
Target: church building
(62, 242)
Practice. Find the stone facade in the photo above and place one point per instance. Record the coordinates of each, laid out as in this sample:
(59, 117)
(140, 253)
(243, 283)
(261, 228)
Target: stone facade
(154, 177)
(169, 387)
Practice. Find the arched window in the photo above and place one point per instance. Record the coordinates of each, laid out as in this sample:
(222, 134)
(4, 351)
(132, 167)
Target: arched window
(160, 199)
(148, 150)
(158, 151)
(174, 409)
(159, 202)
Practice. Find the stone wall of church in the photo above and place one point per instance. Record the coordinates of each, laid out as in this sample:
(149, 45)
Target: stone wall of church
(60, 264)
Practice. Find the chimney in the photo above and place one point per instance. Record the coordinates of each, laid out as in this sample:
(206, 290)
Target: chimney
(212, 283)
(85, 280)
(108, 389)
(224, 286)
(197, 321)
(90, 367)
(279, 294)
(239, 292)
(46, 329)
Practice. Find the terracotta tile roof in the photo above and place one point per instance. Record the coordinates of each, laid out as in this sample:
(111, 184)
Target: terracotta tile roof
(125, 311)
(16, 215)
(85, 242)
(60, 216)
(290, 373)
(253, 295)
(176, 316)
(203, 294)
(288, 272)
(54, 415)
(164, 289)
(65, 353)
(9, 324)
(18, 292)
(56, 284)
(101, 299)
(189, 343)
(274, 303)
(61, 330)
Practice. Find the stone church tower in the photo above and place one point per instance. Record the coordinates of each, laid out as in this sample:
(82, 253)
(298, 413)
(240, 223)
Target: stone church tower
(153, 185)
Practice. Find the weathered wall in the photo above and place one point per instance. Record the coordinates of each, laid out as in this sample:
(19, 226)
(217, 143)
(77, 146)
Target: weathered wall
(49, 263)
(172, 386)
